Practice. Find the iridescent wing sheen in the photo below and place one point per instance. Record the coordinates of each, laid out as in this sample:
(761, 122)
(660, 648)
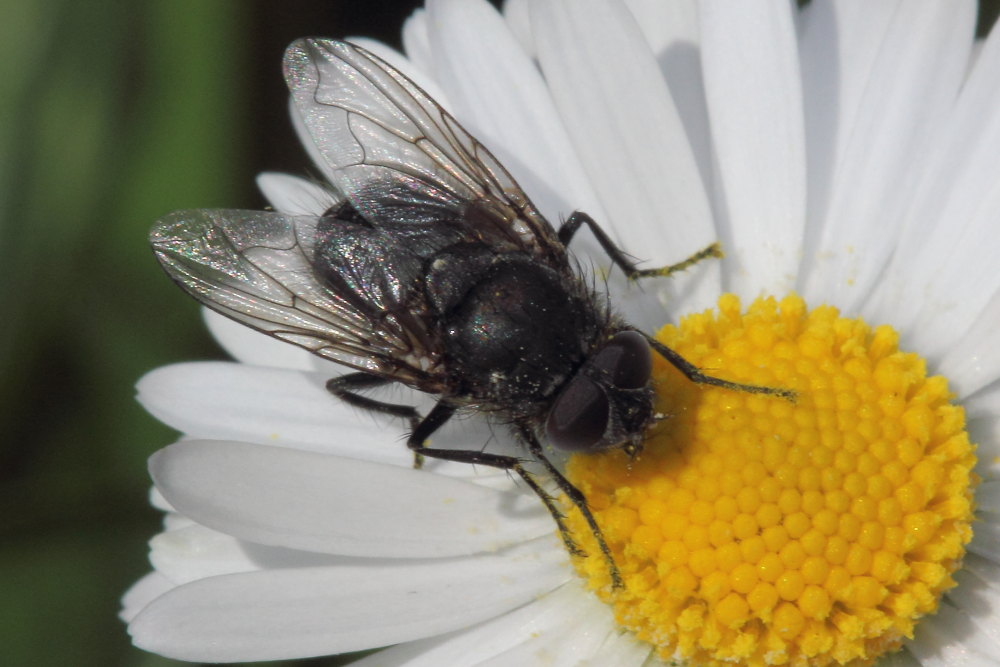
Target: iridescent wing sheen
(397, 155)
(256, 267)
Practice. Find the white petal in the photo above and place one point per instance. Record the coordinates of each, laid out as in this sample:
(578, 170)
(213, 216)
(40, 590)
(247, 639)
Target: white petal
(194, 552)
(327, 504)
(839, 44)
(949, 639)
(986, 539)
(517, 13)
(953, 214)
(157, 501)
(565, 627)
(174, 521)
(903, 658)
(979, 596)
(913, 82)
(255, 348)
(321, 610)
(986, 570)
(572, 634)
(985, 404)
(292, 195)
(473, 646)
(970, 356)
(988, 496)
(416, 41)
(616, 106)
(984, 430)
(499, 95)
(621, 648)
(221, 400)
(226, 401)
(142, 592)
(672, 32)
(663, 24)
(753, 87)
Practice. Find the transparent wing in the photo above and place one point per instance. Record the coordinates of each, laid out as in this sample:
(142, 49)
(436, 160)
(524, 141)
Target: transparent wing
(397, 154)
(255, 267)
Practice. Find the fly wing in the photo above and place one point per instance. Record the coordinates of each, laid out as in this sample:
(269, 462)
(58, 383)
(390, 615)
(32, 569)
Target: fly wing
(256, 267)
(398, 156)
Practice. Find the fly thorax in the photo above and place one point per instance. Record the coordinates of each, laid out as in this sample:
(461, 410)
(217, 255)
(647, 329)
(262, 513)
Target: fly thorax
(512, 327)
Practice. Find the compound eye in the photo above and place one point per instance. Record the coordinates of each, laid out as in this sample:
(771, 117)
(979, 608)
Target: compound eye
(578, 417)
(626, 359)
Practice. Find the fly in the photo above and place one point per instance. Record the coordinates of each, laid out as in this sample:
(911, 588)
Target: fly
(435, 270)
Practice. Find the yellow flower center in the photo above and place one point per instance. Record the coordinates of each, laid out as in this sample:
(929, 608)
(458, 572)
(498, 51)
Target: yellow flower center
(753, 530)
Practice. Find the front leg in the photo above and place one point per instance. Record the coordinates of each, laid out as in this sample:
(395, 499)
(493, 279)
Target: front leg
(693, 373)
(579, 501)
(442, 412)
(620, 259)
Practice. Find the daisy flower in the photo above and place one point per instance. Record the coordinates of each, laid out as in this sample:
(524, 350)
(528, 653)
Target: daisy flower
(847, 157)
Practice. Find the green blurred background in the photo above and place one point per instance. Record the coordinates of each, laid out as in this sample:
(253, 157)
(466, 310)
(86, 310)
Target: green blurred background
(113, 113)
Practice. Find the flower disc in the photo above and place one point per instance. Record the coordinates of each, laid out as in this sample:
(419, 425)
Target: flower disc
(760, 531)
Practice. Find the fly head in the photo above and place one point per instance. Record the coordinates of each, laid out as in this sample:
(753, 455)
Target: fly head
(609, 402)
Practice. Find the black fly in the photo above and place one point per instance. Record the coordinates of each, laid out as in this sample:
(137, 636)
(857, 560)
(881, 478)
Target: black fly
(435, 271)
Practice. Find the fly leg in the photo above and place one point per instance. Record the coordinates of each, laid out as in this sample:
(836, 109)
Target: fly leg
(579, 501)
(443, 411)
(693, 373)
(620, 259)
(346, 386)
